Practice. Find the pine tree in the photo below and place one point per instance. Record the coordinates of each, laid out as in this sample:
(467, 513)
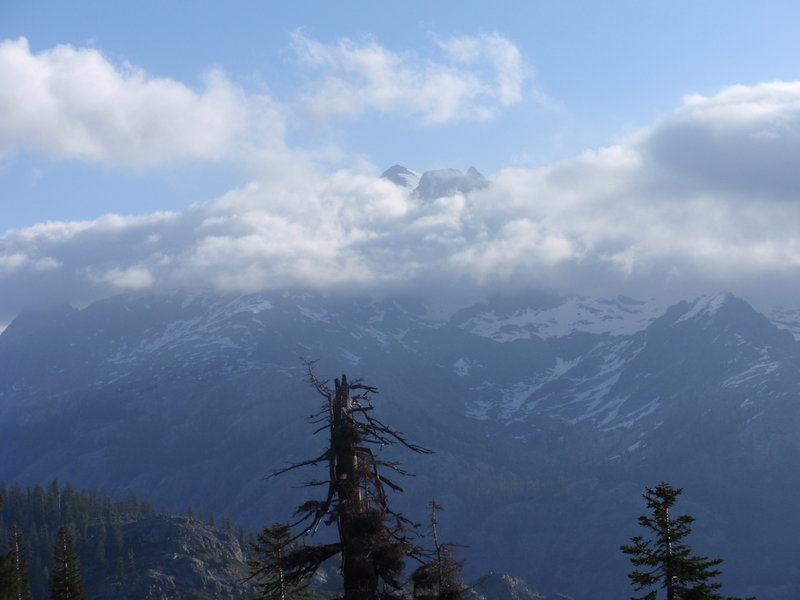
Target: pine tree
(12, 584)
(8, 586)
(19, 564)
(66, 582)
(373, 540)
(267, 571)
(100, 545)
(666, 561)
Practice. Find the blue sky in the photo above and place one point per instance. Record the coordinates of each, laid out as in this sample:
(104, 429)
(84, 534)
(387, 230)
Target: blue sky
(133, 109)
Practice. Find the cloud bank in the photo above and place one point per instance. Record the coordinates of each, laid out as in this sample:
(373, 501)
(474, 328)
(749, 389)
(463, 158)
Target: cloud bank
(639, 216)
(71, 102)
(706, 198)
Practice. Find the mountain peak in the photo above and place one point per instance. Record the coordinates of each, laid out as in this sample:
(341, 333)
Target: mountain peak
(446, 182)
(502, 585)
(30, 321)
(437, 183)
(706, 306)
(400, 175)
(726, 315)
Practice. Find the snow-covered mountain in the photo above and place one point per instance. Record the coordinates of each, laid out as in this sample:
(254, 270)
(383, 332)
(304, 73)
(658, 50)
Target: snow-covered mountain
(563, 316)
(439, 183)
(548, 414)
(402, 176)
(637, 369)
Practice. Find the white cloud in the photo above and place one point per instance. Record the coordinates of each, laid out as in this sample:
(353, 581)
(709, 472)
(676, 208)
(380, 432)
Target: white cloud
(507, 69)
(132, 278)
(631, 218)
(476, 78)
(69, 102)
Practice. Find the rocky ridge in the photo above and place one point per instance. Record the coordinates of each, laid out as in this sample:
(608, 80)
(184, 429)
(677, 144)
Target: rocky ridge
(438, 183)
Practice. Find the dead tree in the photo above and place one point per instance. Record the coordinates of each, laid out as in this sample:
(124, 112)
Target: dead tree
(373, 540)
(440, 577)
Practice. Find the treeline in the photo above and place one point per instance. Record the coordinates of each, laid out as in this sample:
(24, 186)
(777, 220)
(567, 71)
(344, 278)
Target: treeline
(94, 523)
(31, 518)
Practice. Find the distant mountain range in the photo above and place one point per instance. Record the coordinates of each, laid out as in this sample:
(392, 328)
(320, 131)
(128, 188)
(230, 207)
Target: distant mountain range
(548, 414)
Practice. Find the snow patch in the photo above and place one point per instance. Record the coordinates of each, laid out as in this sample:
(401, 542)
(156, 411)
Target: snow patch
(761, 369)
(353, 359)
(576, 314)
(320, 316)
(463, 366)
(563, 366)
(705, 306)
(786, 318)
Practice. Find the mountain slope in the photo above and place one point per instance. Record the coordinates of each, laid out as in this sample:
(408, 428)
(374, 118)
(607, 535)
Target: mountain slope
(548, 414)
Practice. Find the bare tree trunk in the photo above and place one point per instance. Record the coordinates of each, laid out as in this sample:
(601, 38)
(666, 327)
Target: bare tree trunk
(280, 574)
(438, 546)
(373, 542)
(358, 572)
(668, 570)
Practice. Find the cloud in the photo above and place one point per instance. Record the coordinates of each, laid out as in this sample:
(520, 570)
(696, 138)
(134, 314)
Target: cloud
(507, 69)
(476, 78)
(69, 102)
(132, 278)
(74, 103)
(636, 218)
(743, 140)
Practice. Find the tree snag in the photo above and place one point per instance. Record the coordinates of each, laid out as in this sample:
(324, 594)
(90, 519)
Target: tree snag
(373, 540)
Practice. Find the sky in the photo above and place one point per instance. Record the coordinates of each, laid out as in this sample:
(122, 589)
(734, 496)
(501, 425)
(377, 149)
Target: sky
(634, 147)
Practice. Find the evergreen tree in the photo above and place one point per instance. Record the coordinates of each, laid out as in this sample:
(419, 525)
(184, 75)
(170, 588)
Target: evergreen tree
(8, 582)
(19, 565)
(373, 540)
(100, 545)
(666, 561)
(66, 582)
(9, 586)
(267, 571)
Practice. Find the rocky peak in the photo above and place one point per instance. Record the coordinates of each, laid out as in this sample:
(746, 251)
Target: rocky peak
(438, 183)
(31, 321)
(176, 558)
(446, 182)
(723, 316)
(502, 586)
(401, 176)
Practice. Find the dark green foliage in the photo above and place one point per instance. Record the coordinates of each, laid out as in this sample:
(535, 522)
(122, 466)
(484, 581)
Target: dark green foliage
(8, 584)
(111, 556)
(14, 583)
(95, 522)
(267, 569)
(665, 561)
(6, 572)
(19, 564)
(66, 582)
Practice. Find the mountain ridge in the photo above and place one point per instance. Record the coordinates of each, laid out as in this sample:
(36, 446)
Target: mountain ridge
(438, 183)
(146, 392)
